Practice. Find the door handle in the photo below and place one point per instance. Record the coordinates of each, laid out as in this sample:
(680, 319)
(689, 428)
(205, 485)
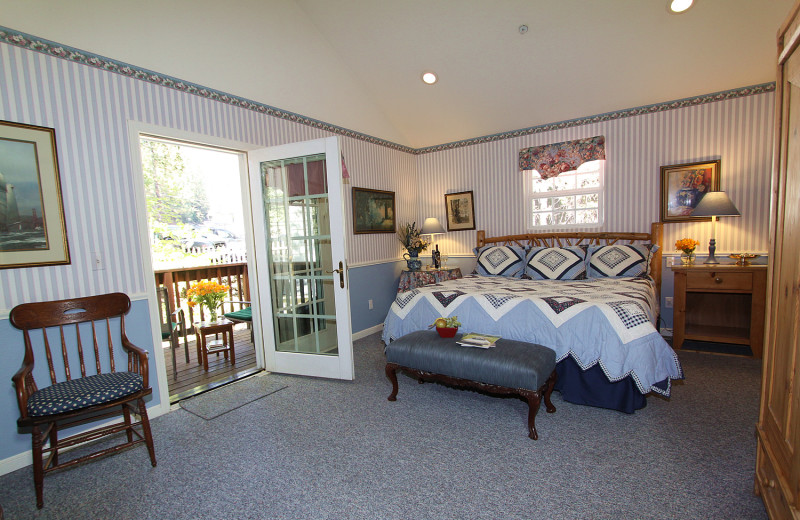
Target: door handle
(341, 274)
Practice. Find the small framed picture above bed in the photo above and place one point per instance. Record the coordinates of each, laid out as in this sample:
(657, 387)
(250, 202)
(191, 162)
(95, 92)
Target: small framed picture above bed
(682, 187)
(460, 208)
(373, 211)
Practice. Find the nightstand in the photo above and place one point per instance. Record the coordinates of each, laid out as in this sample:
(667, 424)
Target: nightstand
(722, 303)
(413, 279)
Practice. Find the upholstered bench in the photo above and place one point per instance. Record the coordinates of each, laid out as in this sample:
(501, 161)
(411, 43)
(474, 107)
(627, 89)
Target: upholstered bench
(510, 367)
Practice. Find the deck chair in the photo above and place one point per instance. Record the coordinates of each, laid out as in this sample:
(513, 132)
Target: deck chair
(88, 341)
(242, 316)
(173, 325)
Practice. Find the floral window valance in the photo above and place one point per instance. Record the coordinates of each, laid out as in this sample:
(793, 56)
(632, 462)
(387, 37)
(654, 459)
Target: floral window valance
(551, 159)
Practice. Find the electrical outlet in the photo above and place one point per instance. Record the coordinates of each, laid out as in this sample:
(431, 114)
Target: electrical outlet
(666, 331)
(370, 304)
(97, 261)
(668, 302)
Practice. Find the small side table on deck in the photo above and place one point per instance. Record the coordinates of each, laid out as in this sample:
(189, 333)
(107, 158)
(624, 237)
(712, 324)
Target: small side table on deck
(206, 346)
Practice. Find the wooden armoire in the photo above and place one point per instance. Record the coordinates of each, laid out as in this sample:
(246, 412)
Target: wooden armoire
(778, 458)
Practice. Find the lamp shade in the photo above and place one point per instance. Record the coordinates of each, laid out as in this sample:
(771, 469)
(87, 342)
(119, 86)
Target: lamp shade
(715, 204)
(431, 226)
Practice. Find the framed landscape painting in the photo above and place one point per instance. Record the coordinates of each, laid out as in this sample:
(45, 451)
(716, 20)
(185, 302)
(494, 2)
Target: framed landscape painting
(682, 187)
(373, 211)
(32, 228)
(460, 208)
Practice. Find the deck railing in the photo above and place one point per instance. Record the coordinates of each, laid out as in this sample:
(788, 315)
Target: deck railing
(179, 280)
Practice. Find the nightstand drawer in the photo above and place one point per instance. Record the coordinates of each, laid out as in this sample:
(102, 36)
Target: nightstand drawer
(719, 280)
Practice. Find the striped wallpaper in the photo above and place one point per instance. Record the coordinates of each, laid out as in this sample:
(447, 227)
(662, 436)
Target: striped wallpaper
(737, 131)
(89, 108)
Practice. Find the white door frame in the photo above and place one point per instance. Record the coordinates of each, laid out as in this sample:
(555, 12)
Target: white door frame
(135, 130)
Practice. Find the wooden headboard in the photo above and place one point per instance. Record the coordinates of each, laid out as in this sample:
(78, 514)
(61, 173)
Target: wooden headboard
(574, 239)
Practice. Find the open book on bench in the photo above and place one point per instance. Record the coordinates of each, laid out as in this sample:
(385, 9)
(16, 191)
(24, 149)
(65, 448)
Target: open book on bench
(474, 339)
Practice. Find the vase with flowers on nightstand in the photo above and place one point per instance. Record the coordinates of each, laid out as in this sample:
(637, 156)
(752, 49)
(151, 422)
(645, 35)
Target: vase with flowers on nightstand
(410, 237)
(686, 246)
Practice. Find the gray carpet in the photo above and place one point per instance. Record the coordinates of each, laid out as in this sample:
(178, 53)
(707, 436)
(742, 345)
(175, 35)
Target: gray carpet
(323, 449)
(228, 398)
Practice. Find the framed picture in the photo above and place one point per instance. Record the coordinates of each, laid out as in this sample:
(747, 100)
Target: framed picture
(460, 209)
(373, 211)
(682, 187)
(32, 228)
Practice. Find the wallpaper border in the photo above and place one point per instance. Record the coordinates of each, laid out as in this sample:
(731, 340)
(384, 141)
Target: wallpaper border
(44, 46)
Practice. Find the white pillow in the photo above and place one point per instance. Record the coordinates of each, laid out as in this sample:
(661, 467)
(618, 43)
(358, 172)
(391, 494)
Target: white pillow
(500, 261)
(627, 260)
(556, 263)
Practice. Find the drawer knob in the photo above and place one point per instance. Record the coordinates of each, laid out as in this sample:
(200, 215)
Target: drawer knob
(768, 482)
(718, 279)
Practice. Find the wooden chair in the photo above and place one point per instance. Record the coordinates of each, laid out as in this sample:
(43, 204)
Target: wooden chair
(69, 401)
(173, 325)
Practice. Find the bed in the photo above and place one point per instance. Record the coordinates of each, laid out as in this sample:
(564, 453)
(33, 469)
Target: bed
(598, 310)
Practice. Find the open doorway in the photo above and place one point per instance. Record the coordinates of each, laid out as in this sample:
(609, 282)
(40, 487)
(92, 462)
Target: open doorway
(197, 241)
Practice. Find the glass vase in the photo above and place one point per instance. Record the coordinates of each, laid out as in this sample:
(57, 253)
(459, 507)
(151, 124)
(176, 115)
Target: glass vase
(212, 314)
(687, 258)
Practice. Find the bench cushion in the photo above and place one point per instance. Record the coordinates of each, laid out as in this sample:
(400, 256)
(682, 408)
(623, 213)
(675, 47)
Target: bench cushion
(511, 364)
(245, 314)
(83, 393)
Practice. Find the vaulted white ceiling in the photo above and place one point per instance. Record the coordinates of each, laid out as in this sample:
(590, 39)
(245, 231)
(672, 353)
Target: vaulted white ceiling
(357, 63)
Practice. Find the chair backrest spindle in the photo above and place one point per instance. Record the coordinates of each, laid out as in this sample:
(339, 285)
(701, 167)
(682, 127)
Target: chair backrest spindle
(64, 355)
(111, 341)
(96, 349)
(80, 350)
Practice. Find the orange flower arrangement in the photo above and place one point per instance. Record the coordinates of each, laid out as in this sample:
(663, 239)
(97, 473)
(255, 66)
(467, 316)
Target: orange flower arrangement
(687, 245)
(208, 293)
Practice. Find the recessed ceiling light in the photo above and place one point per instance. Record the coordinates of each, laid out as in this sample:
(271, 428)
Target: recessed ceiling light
(429, 77)
(679, 6)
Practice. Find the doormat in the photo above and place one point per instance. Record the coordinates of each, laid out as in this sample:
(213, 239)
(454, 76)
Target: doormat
(220, 401)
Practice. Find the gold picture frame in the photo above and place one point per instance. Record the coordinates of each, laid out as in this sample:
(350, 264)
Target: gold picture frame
(682, 187)
(33, 231)
(460, 211)
(373, 211)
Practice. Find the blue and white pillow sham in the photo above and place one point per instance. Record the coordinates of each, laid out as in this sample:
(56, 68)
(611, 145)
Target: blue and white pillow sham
(500, 261)
(624, 260)
(556, 263)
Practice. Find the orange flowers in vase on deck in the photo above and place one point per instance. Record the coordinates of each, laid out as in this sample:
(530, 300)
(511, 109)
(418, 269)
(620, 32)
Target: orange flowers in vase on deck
(208, 293)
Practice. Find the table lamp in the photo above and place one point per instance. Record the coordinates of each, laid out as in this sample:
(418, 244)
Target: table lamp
(715, 204)
(431, 227)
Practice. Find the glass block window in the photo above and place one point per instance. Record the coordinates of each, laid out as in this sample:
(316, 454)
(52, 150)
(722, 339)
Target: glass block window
(571, 199)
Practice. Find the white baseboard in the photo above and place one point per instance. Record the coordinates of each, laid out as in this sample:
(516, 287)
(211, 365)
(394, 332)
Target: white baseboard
(366, 332)
(25, 458)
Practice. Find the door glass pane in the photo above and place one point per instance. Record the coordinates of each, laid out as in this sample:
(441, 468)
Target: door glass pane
(295, 195)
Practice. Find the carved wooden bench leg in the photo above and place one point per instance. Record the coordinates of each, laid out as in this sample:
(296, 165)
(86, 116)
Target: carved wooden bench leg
(534, 400)
(548, 391)
(391, 373)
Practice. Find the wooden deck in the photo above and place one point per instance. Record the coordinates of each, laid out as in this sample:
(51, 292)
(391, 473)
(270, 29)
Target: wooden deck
(192, 379)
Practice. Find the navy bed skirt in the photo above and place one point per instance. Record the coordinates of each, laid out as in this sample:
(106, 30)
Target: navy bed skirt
(591, 387)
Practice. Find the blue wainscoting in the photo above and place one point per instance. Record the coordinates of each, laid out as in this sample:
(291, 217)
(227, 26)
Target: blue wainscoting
(376, 282)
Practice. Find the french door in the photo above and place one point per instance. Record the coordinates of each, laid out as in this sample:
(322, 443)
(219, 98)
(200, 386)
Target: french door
(298, 219)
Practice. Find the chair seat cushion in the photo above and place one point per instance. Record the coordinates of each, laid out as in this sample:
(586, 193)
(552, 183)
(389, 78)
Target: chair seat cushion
(83, 393)
(242, 315)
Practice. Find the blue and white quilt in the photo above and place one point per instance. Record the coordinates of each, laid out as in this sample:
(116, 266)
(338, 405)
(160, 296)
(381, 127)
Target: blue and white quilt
(609, 321)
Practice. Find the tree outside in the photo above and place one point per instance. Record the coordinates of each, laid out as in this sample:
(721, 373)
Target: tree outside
(194, 208)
